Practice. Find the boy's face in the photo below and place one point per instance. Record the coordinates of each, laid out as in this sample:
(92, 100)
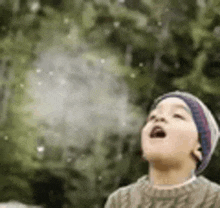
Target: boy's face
(181, 136)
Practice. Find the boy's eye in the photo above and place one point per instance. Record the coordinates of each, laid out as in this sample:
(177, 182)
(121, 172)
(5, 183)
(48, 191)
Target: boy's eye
(178, 116)
(151, 117)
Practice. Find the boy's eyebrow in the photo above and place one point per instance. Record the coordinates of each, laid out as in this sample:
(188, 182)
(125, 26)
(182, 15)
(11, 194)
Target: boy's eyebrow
(181, 106)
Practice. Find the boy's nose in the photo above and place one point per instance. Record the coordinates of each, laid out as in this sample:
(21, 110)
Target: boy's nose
(159, 118)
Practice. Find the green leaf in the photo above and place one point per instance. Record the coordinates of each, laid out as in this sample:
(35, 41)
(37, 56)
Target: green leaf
(137, 39)
(215, 4)
(89, 16)
(206, 16)
(199, 34)
(211, 86)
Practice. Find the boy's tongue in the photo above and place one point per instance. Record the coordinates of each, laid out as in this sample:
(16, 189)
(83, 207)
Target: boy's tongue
(157, 132)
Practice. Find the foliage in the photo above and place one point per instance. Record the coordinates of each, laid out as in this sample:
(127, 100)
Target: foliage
(174, 45)
(17, 134)
(156, 46)
(161, 48)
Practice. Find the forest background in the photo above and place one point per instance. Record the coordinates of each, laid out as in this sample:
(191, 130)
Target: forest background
(77, 80)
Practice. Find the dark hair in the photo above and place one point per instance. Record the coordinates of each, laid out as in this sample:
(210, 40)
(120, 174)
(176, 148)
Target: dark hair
(198, 162)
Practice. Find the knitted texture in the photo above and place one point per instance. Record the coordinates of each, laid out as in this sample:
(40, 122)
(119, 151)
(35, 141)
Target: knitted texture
(200, 193)
(206, 125)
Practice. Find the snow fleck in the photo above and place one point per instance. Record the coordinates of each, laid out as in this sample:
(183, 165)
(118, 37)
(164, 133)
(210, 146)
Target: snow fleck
(35, 6)
(63, 81)
(51, 73)
(217, 31)
(6, 138)
(141, 64)
(159, 23)
(102, 61)
(116, 24)
(39, 83)
(133, 75)
(177, 65)
(21, 85)
(119, 157)
(66, 20)
(40, 149)
(38, 70)
(69, 160)
(107, 32)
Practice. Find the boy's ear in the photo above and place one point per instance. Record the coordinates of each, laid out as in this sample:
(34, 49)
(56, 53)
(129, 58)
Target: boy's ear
(198, 151)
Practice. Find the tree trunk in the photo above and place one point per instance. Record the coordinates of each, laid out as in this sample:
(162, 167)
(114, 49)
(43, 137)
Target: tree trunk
(5, 92)
(128, 55)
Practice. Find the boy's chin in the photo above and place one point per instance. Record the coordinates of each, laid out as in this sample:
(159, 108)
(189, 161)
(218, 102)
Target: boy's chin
(163, 162)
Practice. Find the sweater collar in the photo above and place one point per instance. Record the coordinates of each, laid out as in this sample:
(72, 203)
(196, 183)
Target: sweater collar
(150, 190)
(176, 185)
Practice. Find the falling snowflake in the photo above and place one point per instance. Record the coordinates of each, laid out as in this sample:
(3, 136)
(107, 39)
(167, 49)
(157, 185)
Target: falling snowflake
(141, 64)
(51, 73)
(39, 83)
(116, 24)
(62, 82)
(69, 160)
(177, 65)
(107, 32)
(6, 138)
(102, 61)
(124, 124)
(119, 157)
(38, 70)
(66, 20)
(40, 149)
(21, 85)
(133, 75)
(35, 6)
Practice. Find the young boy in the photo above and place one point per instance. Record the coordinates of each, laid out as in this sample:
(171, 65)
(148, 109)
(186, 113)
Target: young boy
(178, 141)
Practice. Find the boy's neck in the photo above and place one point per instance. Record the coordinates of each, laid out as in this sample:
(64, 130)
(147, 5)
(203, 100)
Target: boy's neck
(169, 177)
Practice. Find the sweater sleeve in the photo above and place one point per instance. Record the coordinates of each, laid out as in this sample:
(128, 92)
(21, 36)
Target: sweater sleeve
(216, 193)
(111, 201)
(217, 201)
(124, 196)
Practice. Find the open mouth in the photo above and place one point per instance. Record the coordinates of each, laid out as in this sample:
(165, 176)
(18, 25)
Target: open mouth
(157, 132)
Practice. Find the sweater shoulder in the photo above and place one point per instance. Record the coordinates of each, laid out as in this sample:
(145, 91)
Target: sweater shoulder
(124, 189)
(214, 192)
(126, 194)
(130, 187)
(213, 186)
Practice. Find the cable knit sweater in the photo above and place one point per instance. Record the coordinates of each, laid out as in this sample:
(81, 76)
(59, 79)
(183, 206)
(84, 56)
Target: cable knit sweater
(200, 193)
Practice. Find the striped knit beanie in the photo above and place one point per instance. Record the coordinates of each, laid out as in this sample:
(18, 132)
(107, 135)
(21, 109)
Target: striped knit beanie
(206, 125)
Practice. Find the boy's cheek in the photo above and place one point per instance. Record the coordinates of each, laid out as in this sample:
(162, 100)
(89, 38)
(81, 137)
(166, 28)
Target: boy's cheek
(144, 132)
